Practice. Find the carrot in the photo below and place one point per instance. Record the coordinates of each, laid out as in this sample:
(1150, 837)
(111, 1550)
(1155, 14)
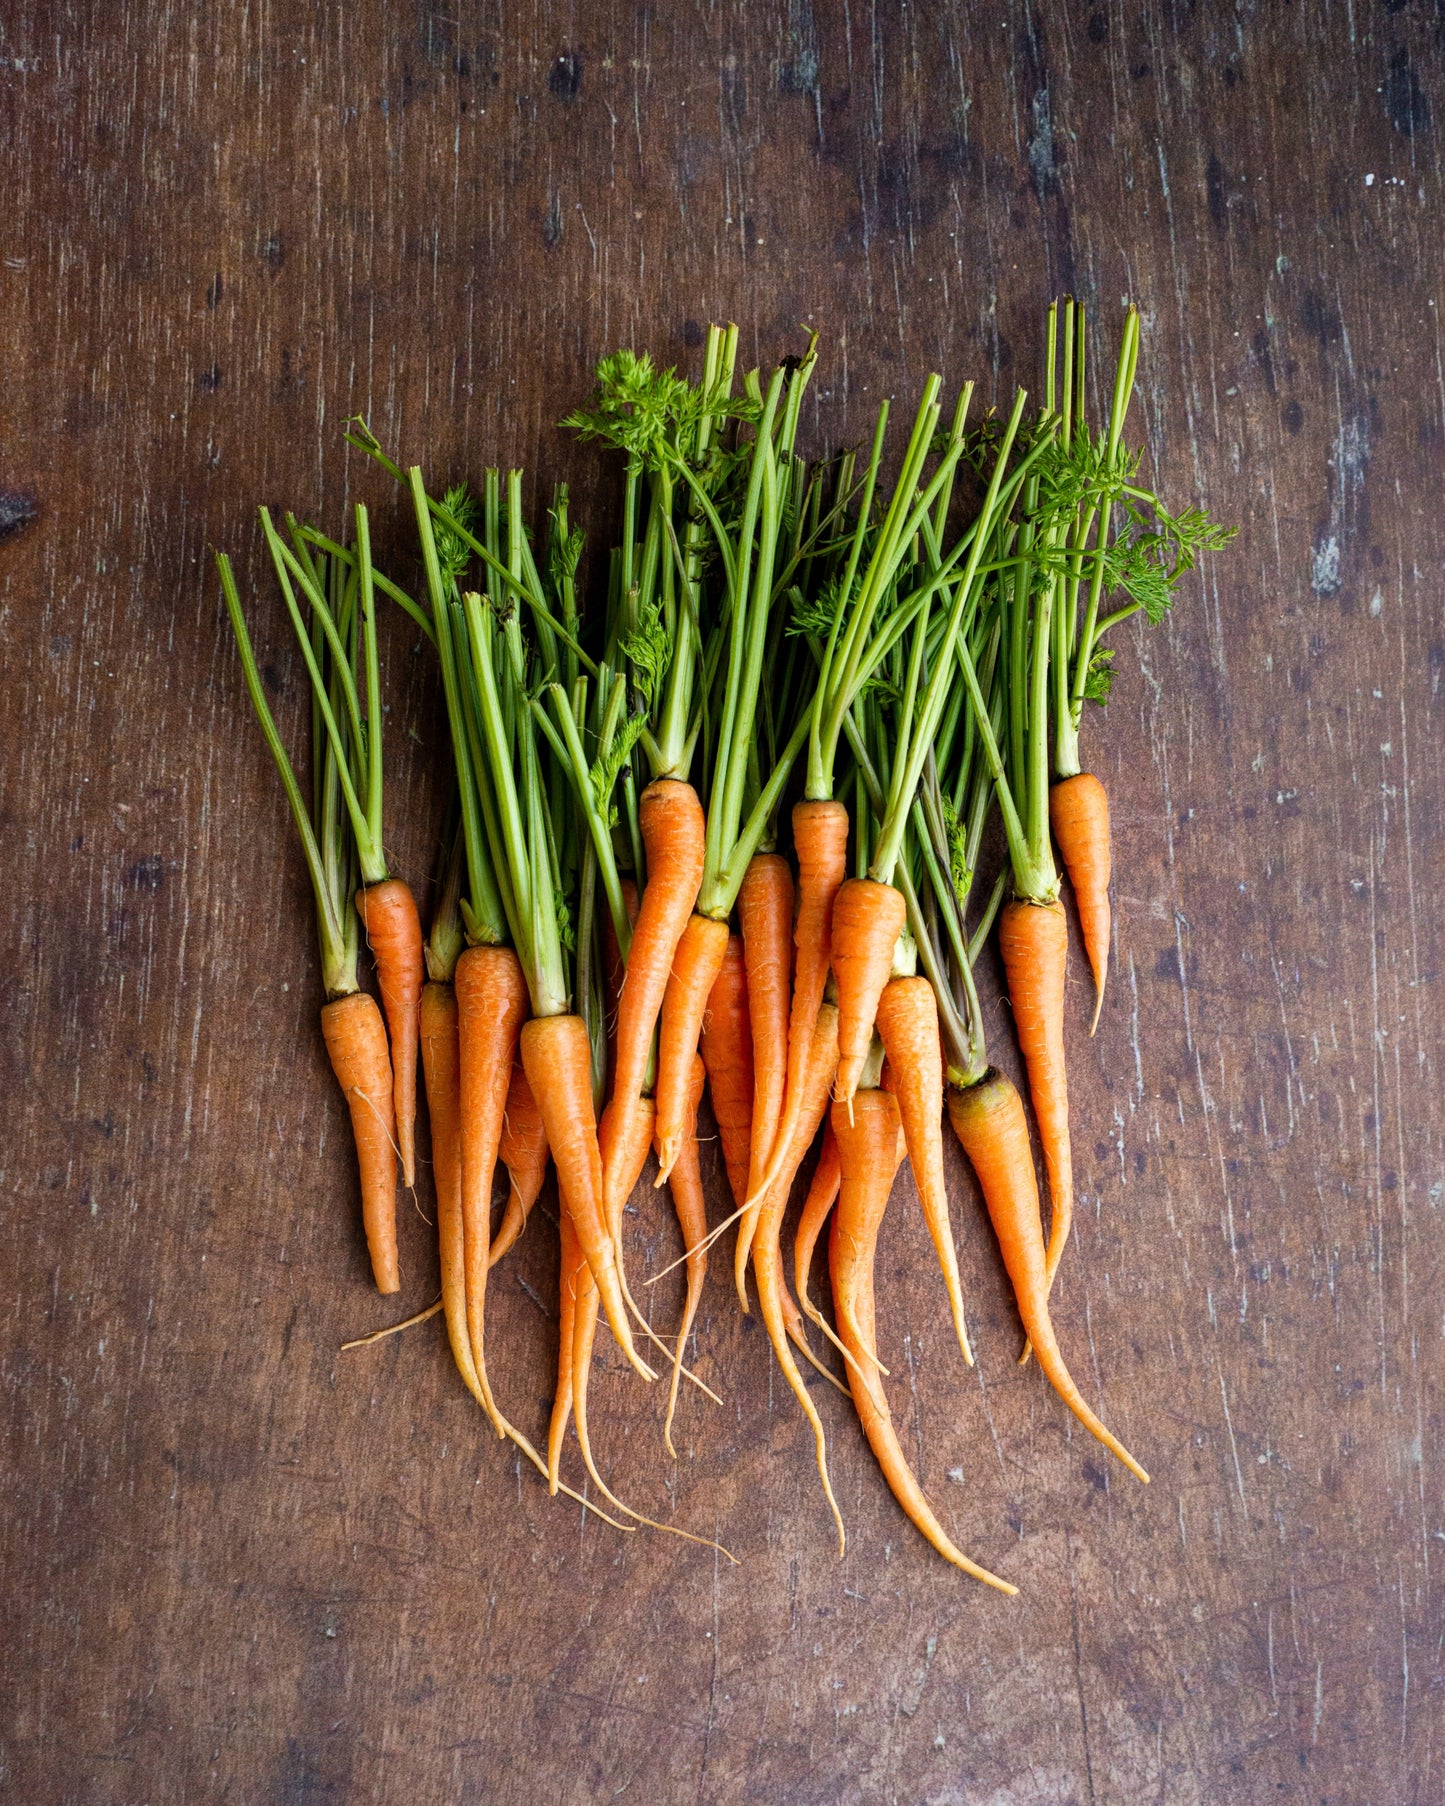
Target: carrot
(820, 840)
(1034, 941)
(822, 1195)
(988, 1119)
(767, 1265)
(727, 1053)
(868, 1157)
(557, 1059)
(573, 1279)
(525, 1154)
(672, 835)
(908, 1029)
(867, 920)
(441, 1063)
(696, 963)
(491, 993)
(687, 1201)
(393, 930)
(765, 916)
(1079, 816)
(355, 1039)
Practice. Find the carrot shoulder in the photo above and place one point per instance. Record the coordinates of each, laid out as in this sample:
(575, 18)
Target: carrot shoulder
(355, 1039)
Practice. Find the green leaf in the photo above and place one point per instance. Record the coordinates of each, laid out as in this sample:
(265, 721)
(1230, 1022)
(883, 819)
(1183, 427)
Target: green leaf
(959, 870)
(647, 651)
(605, 772)
(1100, 679)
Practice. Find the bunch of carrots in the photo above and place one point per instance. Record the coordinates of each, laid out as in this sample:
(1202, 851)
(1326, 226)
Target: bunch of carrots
(832, 659)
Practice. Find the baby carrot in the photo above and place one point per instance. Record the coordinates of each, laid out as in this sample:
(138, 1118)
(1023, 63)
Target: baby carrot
(867, 920)
(1079, 817)
(525, 1154)
(393, 929)
(356, 1041)
(765, 917)
(868, 1156)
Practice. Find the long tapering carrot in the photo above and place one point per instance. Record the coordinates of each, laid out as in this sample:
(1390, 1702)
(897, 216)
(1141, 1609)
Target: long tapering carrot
(820, 840)
(441, 1065)
(393, 929)
(822, 1196)
(727, 1053)
(524, 1153)
(908, 1029)
(573, 1278)
(673, 833)
(557, 1058)
(491, 993)
(988, 1119)
(765, 918)
(818, 1073)
(868, 1158)
(696, 962)
(1079, 817)
(687, 1201)
(355, 1037)
(867, 920)
(1034, 941)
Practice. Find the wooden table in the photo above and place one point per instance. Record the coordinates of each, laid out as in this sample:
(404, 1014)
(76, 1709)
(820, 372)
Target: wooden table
(242, 1566)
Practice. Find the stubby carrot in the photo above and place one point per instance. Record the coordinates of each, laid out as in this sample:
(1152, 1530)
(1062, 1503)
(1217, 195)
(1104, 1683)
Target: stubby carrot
(356, 1041)
(1079, 817)
(988, 1119)
(867, 920)
(868, 1156)
(524, 1153)
(908, 1028)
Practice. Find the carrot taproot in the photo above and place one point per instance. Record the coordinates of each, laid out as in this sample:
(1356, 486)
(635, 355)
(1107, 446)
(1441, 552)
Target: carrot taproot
(355, 1037)
(557, 1058)
(441, 1066)
(524, 1153)
(687, 1201)
(867, 920)
(491, 994)
(822, 1195)
(696, 962)
(869, 1153)
(673, 833)
(1034, 941)
(727, 1053)
(820, 841)
(765, 918)
(573, 1279)
(988, 1119)
(818, 1074)
(908, 1028)
(1079, 817)
(393, 929)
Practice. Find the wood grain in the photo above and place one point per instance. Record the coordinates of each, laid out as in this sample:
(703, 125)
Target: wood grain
(241, 1566)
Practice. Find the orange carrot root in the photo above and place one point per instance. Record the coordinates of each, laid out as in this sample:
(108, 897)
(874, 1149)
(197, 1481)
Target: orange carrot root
(695, 965)
(818, 1074)
(868, 1156)
(525, 1154)
(727, 1053)
(557, 1058)
(673, 834)
(687, 1201)
(988, 1119)
(820, 840)
(441, 1064)
(1079, 816)
(491, 994)
(393, 929)
(867, 920)
(765, 917)
(355, 1037)
(1034, 941)
(908, 1028)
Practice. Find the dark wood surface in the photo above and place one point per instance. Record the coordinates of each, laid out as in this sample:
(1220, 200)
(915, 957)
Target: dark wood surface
(241, 1566)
